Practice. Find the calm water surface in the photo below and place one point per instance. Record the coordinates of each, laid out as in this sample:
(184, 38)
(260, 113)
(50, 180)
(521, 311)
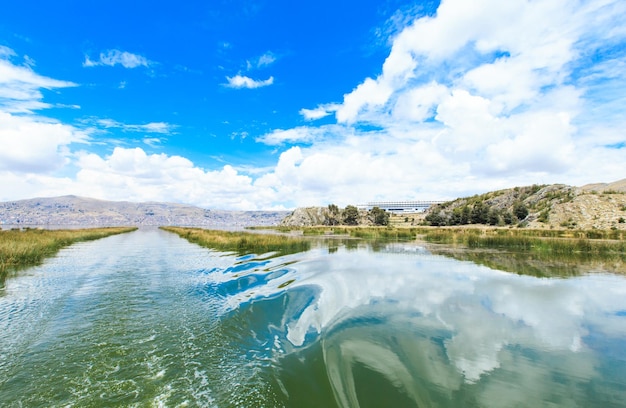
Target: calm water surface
(147, 319)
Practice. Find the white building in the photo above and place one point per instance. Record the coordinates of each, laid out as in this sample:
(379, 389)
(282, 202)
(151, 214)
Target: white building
(399, 207)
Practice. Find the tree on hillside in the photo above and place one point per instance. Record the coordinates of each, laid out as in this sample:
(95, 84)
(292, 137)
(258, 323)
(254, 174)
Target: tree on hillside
(350, 215)
(435, 219)
(493, 218)
(480, 213)
(507, 217)
(520, 210)
(379, 216)
(332, 215)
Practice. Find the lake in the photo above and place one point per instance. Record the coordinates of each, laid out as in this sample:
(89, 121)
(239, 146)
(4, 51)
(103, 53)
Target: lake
(147, 319)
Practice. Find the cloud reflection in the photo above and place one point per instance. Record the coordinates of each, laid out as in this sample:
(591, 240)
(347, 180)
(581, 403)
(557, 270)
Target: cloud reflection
(436, 329)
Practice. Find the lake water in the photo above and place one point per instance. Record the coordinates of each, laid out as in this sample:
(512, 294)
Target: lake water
(146, 319)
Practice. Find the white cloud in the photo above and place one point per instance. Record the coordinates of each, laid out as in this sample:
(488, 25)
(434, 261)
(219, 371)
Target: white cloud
(371, 94)
(320, 112)
(31, 143)
(263, 61)
(419, 103)
(240, 81)
(35, 144)
(132, 174)
(490, 94)
(117, 57)
(266, 59)
(6, 52)
(476, 97)
(299, 135)
(160, 177)
(20, 86)
(152, 141)
(152, 127)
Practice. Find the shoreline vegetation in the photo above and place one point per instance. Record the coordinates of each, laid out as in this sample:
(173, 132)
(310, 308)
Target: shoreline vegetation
(29, 247)
(544, 241)
(242, 243)
(541, 253)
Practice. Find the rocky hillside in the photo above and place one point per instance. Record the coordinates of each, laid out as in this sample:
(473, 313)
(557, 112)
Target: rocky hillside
(332, 215)
(72, 210)
(595, 206)
(306, 216)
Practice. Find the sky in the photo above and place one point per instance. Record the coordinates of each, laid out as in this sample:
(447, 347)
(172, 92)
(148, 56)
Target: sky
(250, 105)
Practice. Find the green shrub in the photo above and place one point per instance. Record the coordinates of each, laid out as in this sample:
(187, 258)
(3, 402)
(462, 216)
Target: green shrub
(350, 215)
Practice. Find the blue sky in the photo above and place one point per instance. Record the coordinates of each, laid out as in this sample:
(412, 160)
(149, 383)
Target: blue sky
(259, 104)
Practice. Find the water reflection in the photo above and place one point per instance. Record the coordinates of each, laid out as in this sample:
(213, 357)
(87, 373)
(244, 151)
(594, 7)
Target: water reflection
(537, 264)
(400, 325)
(146, 319)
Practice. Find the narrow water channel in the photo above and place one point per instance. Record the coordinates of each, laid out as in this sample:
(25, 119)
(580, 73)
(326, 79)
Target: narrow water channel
(109, 322)
(147, 319)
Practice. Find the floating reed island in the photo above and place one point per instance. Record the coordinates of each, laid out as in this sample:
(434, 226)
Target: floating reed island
(29, 247)
(241, 242)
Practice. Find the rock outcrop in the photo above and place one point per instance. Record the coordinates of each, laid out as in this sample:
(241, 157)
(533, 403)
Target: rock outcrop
(306, 216)
(331, 215)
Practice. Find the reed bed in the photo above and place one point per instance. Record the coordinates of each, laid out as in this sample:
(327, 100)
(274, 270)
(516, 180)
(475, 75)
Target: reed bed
(563, 242)
(368, 232)
(20, 248)
(541, 241)
(242, 242)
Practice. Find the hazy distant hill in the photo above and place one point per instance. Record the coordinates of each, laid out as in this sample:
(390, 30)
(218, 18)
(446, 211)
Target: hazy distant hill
(616, 186)
(72, 210)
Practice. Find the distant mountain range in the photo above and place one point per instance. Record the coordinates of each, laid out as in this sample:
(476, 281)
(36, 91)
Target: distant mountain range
(73, 211)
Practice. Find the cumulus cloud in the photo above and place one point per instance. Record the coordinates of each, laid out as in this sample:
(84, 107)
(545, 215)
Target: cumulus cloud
(116, 57)
(30, 143)
(463, 91)
(476, 47)
(35, 145)
(240, 81)
(161, 177)
(471, 98)
(132, 174)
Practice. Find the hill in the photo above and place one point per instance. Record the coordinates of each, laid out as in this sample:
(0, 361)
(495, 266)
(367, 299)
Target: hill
(594, 206)
(73, 210)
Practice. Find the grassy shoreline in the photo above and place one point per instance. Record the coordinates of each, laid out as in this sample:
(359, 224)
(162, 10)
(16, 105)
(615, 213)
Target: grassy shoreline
(559, 242)
(22, 248)
(240, 242)
(554, 241)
